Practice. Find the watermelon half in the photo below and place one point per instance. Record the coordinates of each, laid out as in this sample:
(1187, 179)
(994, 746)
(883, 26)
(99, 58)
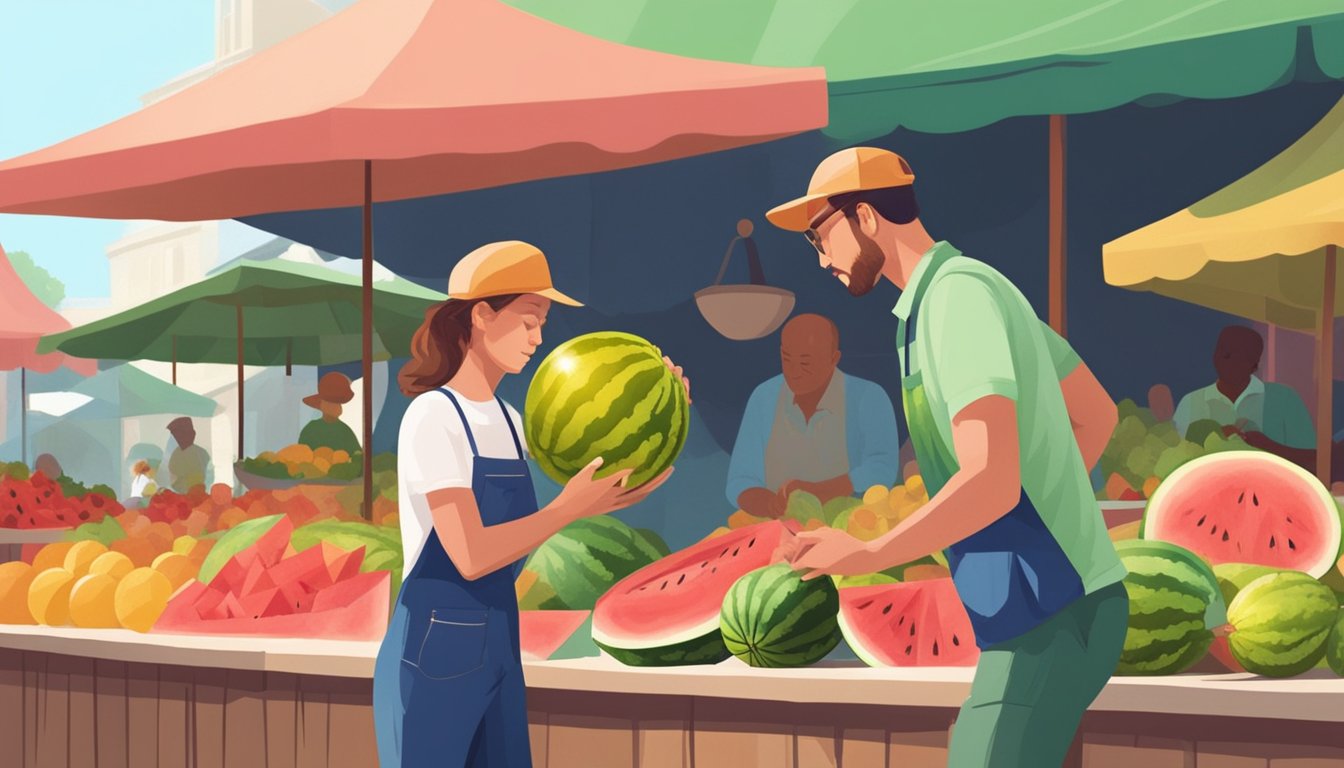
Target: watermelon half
(667, 613)
(911, 624)
(1247, 507)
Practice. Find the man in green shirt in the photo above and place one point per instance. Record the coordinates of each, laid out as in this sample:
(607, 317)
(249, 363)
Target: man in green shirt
(1270, 416)
(1006, 421)
(333, 392)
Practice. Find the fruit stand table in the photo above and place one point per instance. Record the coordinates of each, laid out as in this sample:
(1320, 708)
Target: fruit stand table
(12, 540)
(175, 700)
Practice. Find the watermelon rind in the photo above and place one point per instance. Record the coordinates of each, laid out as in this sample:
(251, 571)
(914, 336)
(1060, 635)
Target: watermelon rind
(606, 394)
(587, 557)
(1174, 603)
(772, 618)
(1157, 519)
(1281, 623)
(238, 538)
(704, 649)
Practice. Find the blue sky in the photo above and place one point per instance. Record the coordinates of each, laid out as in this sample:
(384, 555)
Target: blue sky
(67, 66)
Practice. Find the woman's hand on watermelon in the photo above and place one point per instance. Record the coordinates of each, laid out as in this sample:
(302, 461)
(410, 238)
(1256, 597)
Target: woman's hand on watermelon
(676, 371)
(587, 496)
(829, 552)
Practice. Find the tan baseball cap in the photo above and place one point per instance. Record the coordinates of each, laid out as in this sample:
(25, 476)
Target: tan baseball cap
(499, 269)
(850, 170)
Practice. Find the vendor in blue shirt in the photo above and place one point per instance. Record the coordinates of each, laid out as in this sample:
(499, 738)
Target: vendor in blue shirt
(813, 428)
(1269, 416)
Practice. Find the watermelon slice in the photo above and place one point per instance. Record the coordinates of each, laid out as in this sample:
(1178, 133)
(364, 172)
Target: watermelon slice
(667, 613)
(541, 633)
(355, 609)
(1247, 507)
(911, 624)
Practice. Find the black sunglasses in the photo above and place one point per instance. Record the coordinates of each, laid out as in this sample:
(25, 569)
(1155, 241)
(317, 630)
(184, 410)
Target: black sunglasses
(844, 204)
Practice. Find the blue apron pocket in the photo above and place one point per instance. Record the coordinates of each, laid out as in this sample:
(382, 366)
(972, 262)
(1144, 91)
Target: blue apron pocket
(452, 645)
(984, 580)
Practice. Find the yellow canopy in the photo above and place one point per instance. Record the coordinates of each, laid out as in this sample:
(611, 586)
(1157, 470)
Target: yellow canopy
(1255, 249)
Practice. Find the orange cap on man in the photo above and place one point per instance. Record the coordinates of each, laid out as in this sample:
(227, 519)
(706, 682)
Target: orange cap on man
(857, 169)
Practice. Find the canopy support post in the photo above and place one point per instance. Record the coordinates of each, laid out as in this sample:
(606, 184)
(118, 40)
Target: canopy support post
(289, 356)
(367, 290)
(242, 413)
(23, 413)
(1325, 370)
(1058, 213)
(174, 360)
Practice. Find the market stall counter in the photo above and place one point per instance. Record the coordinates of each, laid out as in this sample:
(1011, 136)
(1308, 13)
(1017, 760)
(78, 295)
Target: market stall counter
(118, 698)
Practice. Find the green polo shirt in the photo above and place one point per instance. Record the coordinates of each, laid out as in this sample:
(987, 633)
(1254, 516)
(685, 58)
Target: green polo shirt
(976, 336)
(1271, 408)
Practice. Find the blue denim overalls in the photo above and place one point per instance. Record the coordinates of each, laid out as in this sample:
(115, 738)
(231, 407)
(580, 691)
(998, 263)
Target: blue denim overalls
(1011, 575)
(448, 685)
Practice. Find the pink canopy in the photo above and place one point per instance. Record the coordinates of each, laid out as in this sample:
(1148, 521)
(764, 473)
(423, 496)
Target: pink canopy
(23, 320)
(440, 95)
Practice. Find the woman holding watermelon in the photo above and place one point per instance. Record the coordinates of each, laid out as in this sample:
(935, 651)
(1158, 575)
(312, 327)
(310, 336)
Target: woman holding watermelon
(448, 684)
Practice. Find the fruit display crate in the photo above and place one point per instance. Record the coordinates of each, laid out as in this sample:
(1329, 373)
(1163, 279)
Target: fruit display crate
(116, 698)
(13, 540)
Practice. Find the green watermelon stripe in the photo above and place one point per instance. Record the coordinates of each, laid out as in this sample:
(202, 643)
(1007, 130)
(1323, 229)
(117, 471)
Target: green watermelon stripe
(820, 631)
(1164, 618)
(625, 442)
(1146, 601)
(606, 362)
(592, 414)
(1168, 663)
(813, 607)
(619, 403)
(1176, 632)
(1176, 580)
(677, 435)
(776, 577)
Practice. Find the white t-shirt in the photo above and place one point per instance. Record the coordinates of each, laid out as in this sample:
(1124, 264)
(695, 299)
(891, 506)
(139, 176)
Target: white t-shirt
(433, 453)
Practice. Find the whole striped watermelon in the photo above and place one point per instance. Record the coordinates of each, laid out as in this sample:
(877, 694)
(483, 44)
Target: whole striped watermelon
(606, 394)
(1334, 646)
(772, 618)
(1174, 603)
(1280, 623)
(585, 558)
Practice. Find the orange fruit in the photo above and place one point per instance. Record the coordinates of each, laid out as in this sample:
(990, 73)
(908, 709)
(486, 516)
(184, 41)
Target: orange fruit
(49, 597)
(52, 556)
(198, 552)
(914, 485)
(230, 517)
(114, 564)
(875, 494)
(1150, 487)
(139, 550)
(221, 494)
(814, 524)
(925, 573)
(141, 598)
(161, 536)
(81, 556)
(91, 602)
(15, 579)
(178, 568)
(740, 519)
(863, 517)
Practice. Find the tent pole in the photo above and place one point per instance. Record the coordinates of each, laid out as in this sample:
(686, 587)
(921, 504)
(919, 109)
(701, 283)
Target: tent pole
(174, 359)
(368, 340)
(23, 413)
(1058, 213)
(242, 414)
(1325, 370)
(289, 356)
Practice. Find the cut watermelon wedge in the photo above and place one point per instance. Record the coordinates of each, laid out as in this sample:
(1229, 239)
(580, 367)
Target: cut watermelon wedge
(667, 613)
(912, 624)
(541, 633)
(355, 609)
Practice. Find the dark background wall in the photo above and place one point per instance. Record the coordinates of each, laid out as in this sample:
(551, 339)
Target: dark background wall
(636, 244)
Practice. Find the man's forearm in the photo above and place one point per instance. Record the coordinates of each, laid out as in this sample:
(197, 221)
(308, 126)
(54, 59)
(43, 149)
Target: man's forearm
(960, 509)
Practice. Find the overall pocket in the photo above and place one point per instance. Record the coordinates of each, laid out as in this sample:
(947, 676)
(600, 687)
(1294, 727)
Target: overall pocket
(452, 645)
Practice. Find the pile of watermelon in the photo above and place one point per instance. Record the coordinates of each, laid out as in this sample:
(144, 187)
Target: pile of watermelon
(37, 501)
(270, 589)
(1238, 561)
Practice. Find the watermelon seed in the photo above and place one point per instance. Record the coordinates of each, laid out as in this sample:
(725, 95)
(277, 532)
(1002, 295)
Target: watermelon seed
(1201, 521)
(935, 647)
(956, 640)
(912, 629)
(683, 578)
(1224, 535)
(1291, 545)
(735, 551)
(907, 649)
(715, 569)
(751, 543)
(1290, 521)
(1271, 542)
(902, 621)
(1241, 498)
(1213, 530)
(865, 605)
(1255, 500)
(886, 610)
(702, 565)
(664, 585)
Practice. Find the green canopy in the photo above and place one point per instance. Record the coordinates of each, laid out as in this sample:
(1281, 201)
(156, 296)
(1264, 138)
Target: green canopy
(136, 393)
(291, 313)
(956, 65)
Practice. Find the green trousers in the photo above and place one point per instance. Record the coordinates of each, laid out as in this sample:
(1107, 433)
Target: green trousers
(1029, 693)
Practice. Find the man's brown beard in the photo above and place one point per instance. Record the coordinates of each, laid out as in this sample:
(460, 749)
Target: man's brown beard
(867, 268)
